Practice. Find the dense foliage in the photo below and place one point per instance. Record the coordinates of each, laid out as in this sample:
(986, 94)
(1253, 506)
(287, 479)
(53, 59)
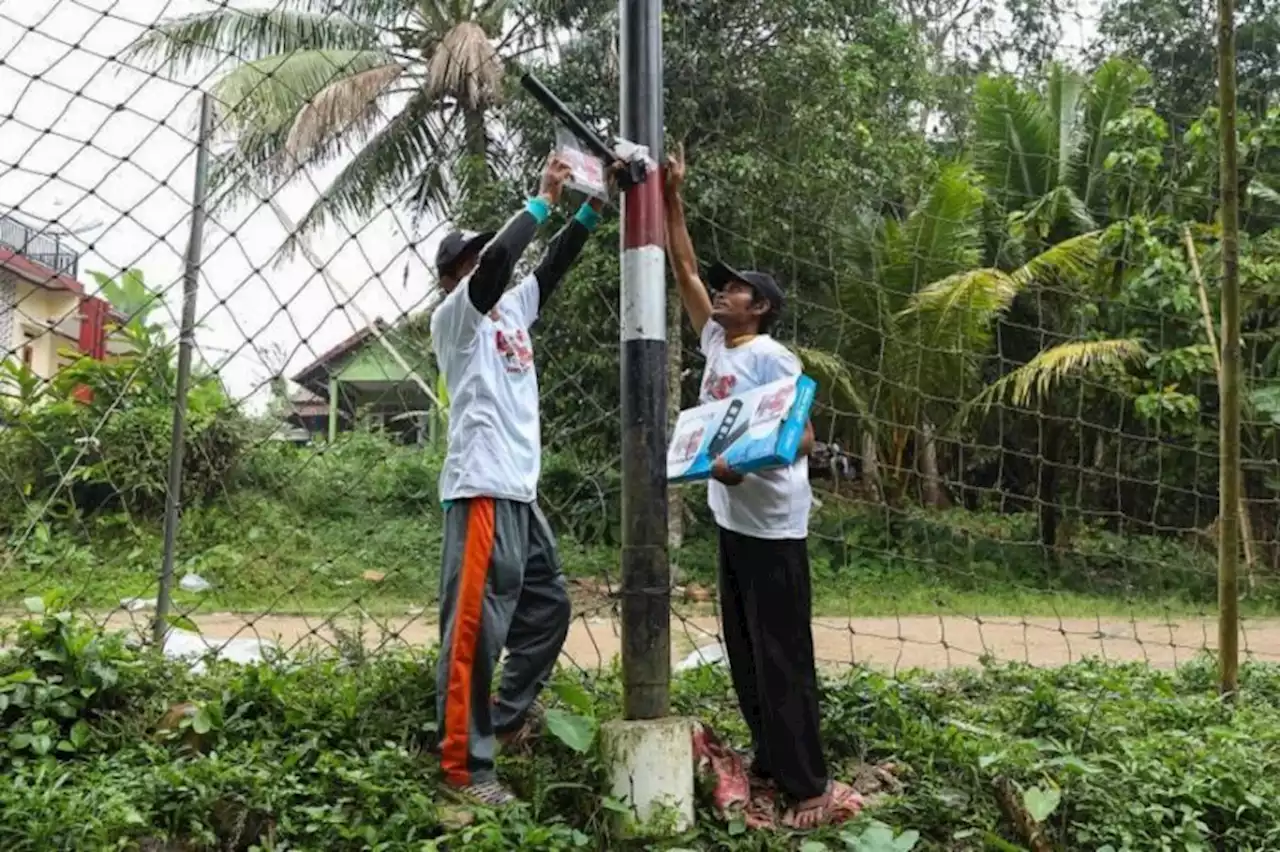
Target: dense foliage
(991, 262)
(104, 746)
(1003, 270)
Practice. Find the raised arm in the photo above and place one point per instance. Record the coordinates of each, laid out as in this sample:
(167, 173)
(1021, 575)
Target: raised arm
(564, 249)
(684, 263)
(499, 258)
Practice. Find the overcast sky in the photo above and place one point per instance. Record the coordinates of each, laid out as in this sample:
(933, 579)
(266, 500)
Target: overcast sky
(92, 141)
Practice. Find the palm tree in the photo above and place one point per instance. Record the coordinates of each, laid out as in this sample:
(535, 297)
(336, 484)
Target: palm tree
(925, 316)
(1043, 151)
(399, 86)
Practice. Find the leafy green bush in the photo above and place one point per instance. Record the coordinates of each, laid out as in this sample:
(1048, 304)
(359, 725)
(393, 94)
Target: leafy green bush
(330, 752)
(581, 501)
(360, 473)
(63, 686)
(98, 435)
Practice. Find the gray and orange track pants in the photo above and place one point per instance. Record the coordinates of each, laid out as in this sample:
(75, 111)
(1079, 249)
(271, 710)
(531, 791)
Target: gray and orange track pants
(501, 587)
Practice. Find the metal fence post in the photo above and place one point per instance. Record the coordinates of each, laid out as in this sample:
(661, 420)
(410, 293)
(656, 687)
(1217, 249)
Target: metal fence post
(186, 341)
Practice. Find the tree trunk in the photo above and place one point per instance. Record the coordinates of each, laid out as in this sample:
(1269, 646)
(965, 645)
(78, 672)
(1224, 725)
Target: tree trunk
(935, 496)
(675, 496)
(871, 469)
(475, 171)
(1047, 486)
(473, 124)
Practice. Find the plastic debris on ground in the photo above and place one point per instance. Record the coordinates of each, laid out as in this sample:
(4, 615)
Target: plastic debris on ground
(194, 583)
(707, 655)
(185, 645)
(138, 604)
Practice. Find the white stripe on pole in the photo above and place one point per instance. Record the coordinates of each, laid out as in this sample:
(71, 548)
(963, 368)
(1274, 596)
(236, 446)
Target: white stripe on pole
(643, 317)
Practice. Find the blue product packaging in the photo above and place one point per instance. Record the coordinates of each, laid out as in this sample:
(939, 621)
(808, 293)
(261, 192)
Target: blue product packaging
(755, 430)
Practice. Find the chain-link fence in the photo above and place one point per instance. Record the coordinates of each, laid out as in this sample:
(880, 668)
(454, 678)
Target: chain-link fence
(997, 226)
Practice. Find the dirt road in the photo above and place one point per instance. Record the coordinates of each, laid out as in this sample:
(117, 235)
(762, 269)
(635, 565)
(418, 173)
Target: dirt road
(930, 642)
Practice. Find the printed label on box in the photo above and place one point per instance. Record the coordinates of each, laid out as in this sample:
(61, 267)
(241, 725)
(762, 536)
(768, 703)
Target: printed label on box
(587, 175)
(755, 430)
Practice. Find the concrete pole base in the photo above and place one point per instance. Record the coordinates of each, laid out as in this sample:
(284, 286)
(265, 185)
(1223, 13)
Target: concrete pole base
(650, 765)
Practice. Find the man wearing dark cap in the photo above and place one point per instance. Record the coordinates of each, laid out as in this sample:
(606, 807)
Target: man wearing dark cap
(763, 521)
(500, 584)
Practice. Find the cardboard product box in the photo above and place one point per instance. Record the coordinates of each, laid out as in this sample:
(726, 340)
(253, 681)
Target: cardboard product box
(755, 430)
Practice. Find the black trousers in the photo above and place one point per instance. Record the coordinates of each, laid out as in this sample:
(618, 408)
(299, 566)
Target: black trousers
(766, 606)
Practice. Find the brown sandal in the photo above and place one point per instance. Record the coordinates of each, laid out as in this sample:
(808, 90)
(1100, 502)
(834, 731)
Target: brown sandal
(837, 805)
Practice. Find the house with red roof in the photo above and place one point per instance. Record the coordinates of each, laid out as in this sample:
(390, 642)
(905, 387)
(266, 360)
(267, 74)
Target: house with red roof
(47, 320)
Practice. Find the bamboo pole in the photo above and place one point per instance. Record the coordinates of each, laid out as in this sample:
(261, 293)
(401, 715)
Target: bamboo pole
(1229, 388)
(1246, 525)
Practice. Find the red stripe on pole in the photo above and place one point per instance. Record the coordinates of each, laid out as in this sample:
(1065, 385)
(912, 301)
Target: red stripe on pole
(643, 221)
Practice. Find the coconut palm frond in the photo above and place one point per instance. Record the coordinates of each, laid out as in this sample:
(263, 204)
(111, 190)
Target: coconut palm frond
(1016, 138)
(379, 14)
(940, 237)
(268, 94)
(963, 306)
(206, 38)
(980, 292)
(465, 66)
(1038, 377)
(1059, 204)
(832, 372)
(1112, 90)
(1073, 260)
(405, 149)
(1261, 191)
(1065, 91)
(343, 105)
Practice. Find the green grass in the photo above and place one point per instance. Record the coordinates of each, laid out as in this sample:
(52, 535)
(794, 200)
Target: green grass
(263, 554)
(870, 598)
(303, 584)
(330, 754)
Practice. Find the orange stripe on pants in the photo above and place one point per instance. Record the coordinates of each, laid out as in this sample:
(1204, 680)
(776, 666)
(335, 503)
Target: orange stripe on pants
(477, 550)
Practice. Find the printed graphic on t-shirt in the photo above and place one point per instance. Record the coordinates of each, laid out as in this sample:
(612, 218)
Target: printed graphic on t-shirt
(719, 385)
(516, 350)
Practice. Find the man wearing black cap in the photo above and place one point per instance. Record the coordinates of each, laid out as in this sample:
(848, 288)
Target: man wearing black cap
(500, 584)
(763, 521)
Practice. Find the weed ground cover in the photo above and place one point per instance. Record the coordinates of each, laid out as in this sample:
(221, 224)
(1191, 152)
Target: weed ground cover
(331, 753)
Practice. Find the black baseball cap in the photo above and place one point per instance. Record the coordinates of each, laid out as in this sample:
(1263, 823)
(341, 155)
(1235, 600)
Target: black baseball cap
(458, 244)
(764, 285)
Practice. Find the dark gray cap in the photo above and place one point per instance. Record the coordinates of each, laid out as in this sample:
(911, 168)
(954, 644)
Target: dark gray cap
(456, 245)
(764, 285)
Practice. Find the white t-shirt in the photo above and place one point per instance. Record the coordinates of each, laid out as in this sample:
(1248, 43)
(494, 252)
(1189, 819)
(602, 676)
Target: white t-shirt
(772, 504)
(495, 441)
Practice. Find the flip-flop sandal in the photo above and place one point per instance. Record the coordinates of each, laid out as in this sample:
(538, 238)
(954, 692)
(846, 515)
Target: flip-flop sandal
(761, 810)
(488, 794)
(839, 804)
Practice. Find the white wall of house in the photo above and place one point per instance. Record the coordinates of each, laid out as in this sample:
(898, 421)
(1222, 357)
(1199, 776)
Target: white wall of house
(40, 322)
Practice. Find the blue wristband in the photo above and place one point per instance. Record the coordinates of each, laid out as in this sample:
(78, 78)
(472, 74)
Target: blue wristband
(538, 208)
(587, 217)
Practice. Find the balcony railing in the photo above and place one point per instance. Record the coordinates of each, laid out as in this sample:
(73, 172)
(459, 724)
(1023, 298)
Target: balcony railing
(38, 246)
